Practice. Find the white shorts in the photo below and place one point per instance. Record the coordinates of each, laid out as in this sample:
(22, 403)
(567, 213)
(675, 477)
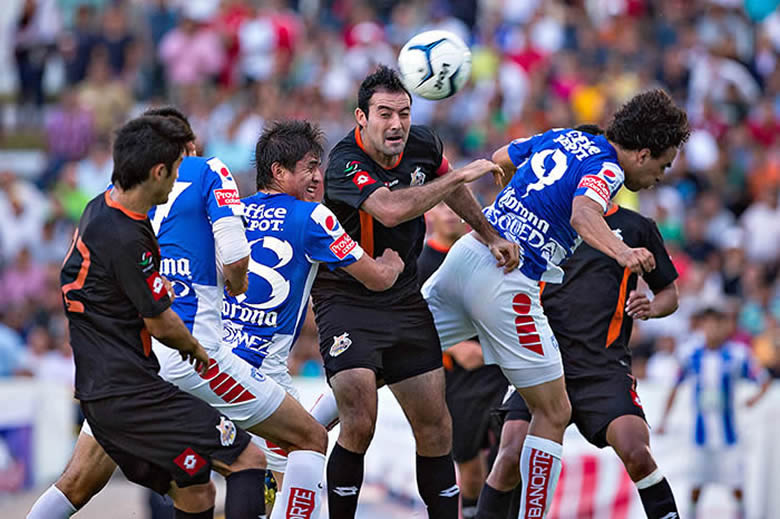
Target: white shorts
(469, 295)
(231, 385)
(722, 465)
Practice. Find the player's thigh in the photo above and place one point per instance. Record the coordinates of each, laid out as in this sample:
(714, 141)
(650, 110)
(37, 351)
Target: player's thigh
(599, 404)
(444, 292)
(356, 398)
(512, 328)
(231, 385)
(88, 470)
(291, 427)
(428, 416)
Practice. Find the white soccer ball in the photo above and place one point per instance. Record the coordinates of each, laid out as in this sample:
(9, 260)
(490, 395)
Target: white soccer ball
(434, 64)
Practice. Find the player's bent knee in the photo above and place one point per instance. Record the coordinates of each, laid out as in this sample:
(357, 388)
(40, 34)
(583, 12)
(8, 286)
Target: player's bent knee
(250, 458)
(639, 461)
(195, 498)
(357, 434)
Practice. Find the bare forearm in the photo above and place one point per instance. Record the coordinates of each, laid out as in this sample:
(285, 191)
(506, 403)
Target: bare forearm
(169, 329)
(236, 275)
(464, 204)
(414, 201)
(665, 302)
(588, 220)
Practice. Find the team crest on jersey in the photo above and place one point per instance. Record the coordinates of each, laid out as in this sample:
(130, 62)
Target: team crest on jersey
(418, 177)
(351, 168)
(340, 344)
(618, 233)
(147, 262)
(227, 432)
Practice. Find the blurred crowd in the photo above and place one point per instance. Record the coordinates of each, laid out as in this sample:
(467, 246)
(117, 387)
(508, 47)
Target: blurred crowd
(85, 66)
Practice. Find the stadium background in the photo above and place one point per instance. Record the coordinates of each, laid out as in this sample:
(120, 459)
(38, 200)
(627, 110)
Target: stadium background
(71, 70)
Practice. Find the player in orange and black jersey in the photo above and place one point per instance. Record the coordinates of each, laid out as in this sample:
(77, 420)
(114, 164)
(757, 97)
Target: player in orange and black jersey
(115, 299)
(380, 180)
(591, 314)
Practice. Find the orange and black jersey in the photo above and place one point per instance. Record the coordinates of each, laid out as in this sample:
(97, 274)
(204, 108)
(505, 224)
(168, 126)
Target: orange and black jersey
(587, 311)
(110, 281)
(350, 178)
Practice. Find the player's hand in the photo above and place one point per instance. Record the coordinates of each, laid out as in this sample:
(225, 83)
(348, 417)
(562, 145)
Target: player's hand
(169, 288)
(480, 168)
(237, 290)
(638, 306)
(638, 260)
(391, 259)
(196, 356)
(506, 253)
(661, 429)
(468, 354)
(753, 400)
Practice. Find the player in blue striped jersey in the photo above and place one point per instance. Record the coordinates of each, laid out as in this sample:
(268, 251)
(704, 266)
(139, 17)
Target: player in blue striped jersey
(291, 236)
(714, 367)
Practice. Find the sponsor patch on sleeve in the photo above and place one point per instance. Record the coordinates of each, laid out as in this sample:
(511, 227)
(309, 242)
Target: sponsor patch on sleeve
(157, 286)
(362, 179)
(343, 246)
(227, 197)
(597, 185)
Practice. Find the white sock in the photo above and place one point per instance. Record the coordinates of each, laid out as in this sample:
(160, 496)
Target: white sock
(540, 466)
(52, 505)
(325, 410)
(302, 489)
(651, 479)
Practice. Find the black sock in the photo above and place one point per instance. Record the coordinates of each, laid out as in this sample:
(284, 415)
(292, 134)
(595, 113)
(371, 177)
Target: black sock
(345, 477)
(493, 504)
(468, 507)
(437, 486)
(514, 506)
(658, 501)
(208, 514)
(245, 494)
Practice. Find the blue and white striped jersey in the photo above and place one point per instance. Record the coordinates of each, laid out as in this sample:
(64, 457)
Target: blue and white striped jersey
(715, 373)
(204, 193)
(534, 209)
(289, 238)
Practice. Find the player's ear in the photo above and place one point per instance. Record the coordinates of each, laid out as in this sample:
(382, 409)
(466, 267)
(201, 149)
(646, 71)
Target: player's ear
(643, 156)
(361, 117)
(277, 172)
(158, 171)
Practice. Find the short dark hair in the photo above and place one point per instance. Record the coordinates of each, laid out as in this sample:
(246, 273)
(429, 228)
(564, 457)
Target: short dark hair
(593, 129)
(144, 142)
(382, 79)
(649, 120)
(169, 111)
(285, 142)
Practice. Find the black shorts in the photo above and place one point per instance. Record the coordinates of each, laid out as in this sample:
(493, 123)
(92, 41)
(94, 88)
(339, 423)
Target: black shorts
(163, 435)
(397, 343)
(595, 402)
(471, 398)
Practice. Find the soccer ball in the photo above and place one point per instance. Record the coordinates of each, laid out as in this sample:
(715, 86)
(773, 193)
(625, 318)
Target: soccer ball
(434, 64)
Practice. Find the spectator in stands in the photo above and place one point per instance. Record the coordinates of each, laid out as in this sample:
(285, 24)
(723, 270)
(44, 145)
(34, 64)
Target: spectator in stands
(107, 98)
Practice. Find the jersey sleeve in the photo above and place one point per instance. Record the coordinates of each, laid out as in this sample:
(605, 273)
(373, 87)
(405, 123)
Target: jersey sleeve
(140, 278)
(220, 191)
(326, 241)
(600, 182)
(520, 149)
(350, 179)
(664, 272)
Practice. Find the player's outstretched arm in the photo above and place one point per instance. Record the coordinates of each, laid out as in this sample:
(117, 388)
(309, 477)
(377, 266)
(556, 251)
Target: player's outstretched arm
(393, 208)
(377, 274)
(464, 204)
(587, 218)
(169, 329)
